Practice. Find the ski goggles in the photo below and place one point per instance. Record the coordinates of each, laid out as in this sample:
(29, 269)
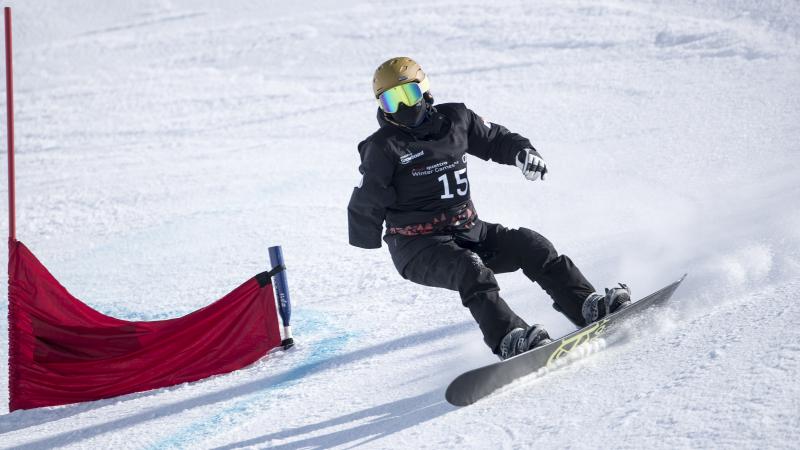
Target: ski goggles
(409, 94)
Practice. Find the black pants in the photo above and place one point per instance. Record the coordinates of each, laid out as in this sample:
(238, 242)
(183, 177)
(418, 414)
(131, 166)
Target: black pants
(468, 265)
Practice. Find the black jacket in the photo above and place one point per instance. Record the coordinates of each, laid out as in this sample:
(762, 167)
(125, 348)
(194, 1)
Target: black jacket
(412, 177)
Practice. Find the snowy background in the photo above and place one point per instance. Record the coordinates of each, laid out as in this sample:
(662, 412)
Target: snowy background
(163, 145)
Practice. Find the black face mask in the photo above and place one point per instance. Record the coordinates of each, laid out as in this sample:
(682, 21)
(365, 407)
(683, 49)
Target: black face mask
(411, 116)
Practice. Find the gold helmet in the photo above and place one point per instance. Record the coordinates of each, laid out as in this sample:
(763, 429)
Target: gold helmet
(395, 72)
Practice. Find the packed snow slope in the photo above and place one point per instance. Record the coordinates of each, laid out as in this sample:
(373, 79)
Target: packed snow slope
(163, 145)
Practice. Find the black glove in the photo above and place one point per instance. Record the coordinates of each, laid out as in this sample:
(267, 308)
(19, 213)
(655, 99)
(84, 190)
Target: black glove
(531, 164)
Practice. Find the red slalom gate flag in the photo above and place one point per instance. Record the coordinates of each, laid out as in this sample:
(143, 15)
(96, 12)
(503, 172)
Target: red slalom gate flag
(62, 351)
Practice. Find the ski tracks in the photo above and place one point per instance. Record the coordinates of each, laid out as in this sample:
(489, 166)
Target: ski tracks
(748, 362)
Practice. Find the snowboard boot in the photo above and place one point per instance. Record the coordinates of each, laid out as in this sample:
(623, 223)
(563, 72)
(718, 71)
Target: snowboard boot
(596, 306)
(520, 340)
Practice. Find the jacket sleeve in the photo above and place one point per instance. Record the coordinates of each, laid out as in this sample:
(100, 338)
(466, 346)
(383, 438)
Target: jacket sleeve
(368, 203)
(492, 141)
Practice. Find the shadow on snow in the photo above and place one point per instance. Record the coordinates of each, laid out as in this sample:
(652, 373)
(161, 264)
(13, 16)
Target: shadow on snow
(388, 419)
(431, 404)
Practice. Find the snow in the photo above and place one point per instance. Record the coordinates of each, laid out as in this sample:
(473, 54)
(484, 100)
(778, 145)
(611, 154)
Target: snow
(164, 145)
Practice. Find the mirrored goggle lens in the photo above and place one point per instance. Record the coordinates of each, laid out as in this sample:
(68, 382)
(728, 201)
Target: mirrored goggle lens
(408, 94)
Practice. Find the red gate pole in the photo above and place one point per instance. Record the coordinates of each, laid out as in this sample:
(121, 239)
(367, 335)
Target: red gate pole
(12, 221)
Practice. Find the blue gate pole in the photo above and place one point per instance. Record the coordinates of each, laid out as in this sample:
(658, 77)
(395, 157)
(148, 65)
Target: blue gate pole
(282, 292)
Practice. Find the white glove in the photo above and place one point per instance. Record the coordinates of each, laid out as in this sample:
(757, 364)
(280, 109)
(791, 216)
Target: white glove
(531, 164)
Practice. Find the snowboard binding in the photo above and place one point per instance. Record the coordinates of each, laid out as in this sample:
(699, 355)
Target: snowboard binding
(596, 306)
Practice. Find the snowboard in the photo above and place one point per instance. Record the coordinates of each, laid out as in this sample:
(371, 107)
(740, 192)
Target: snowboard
(472, 386)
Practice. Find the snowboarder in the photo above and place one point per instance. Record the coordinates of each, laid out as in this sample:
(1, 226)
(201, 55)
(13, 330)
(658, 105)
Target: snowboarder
(414, 178)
